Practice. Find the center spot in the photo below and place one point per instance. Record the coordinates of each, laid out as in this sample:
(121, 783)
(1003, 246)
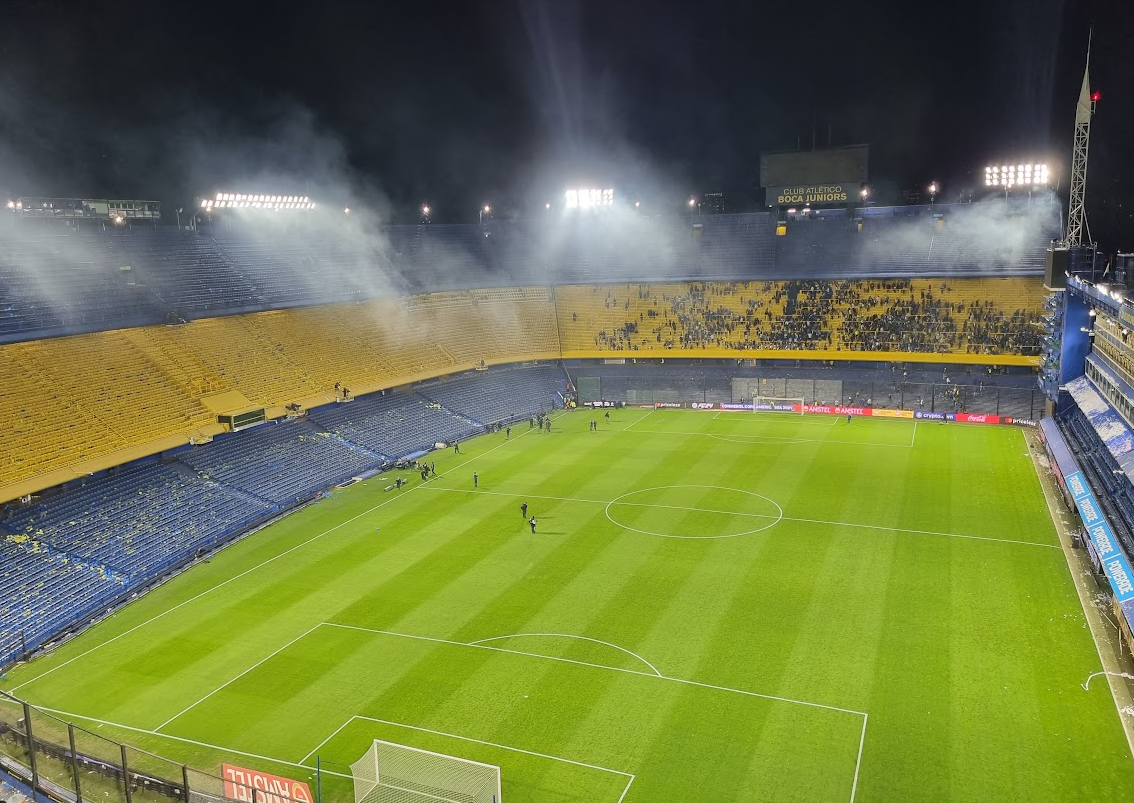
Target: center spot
(694, 511)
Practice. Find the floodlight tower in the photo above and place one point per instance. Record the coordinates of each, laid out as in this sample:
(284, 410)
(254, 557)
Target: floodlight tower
(1078, 232)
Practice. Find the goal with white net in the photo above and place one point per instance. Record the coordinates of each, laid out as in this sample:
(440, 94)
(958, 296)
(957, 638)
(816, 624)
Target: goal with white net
(775, 404)
(396, 773)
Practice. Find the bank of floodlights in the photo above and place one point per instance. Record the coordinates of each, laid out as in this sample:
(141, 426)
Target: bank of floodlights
(239, 200)
(585, 199)
(1007, 176)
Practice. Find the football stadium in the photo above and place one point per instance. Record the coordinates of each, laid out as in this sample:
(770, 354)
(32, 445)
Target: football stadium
(827, 501)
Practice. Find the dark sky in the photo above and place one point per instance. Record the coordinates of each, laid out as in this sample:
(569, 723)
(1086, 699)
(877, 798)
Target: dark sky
(460, 104)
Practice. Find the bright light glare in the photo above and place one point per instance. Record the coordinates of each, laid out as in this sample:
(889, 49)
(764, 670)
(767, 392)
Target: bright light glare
(487, 209)
(1035, 174)
(425, 209)
(584, 199)
(346, 211)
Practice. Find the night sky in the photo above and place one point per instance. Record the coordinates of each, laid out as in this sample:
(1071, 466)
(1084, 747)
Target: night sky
(461, 104)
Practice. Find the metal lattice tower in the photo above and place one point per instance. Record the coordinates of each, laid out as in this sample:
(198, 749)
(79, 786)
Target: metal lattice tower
(1078, 232)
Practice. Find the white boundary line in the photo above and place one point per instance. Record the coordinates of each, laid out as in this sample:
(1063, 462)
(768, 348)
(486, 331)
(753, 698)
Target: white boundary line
(266, 658)
(568, 635)
(248, 571)
(753, 515)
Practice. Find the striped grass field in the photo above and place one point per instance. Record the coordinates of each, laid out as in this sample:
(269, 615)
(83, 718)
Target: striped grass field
(733, 606)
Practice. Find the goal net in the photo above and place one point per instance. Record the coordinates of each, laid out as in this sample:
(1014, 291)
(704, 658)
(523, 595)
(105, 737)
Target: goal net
(776, 404)
(395, 773)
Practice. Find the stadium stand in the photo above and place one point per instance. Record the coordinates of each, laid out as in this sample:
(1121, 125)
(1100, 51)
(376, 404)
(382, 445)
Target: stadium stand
(956, 317)
(281, 462)
(72, 553)
(498, 396)
(285, 322)
(394, 425)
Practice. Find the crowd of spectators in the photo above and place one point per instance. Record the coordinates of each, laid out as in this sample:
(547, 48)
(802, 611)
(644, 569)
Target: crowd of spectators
(868, 315)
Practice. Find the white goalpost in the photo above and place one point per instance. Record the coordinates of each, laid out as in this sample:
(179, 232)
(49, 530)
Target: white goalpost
(396, 773)
(776, 404)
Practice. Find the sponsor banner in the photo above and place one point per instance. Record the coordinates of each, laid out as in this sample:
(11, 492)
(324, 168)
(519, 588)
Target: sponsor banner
(734, 406)
(926, 415)
(891, 413)
(1077, 485)
(598, 404)
(1020, 422)
(977, 418)
(831, 193)
(1114, 563)
(253, 786)
(703, 405)
(667, 405)
(837, 409)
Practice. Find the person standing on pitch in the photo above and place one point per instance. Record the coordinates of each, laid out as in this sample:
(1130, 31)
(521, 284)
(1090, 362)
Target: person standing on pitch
(848, 417)
(475, 480)
(608, 416)
(524, 510)
(532, 522)
(508, 434)
(456, 448)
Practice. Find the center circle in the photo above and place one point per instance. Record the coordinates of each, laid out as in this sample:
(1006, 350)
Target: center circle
(710, 511)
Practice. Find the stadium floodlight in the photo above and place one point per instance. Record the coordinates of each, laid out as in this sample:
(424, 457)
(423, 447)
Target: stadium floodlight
(346, 211)
(585, 199)
(692, 202)
(1032, 174)
(425, 209)
(245, 200)
(11, 204)
(547, 206)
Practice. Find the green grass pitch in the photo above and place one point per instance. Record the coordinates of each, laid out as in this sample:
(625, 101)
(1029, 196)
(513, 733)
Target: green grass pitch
(740, 607)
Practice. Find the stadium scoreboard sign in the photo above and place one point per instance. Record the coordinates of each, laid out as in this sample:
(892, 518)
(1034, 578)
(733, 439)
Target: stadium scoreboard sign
(812, 194)
(825, 176)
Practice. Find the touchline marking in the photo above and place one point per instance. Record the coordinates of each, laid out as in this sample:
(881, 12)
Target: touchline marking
(248, 571)
(568, 635)
(637, 672)
(753, 515)
(238, 677)
(84, 717)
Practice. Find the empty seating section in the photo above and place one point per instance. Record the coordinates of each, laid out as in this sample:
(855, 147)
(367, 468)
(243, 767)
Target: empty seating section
(189, 273)
(954, 316)
(496, 396)
(42, 592)
(1113, 491)
(280, 462)
(51, 283)
(71, 399)
(138, 520)
(394, 425)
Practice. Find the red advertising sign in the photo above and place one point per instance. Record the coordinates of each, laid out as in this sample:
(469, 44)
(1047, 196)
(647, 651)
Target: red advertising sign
(253, 786)
(976, 418)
